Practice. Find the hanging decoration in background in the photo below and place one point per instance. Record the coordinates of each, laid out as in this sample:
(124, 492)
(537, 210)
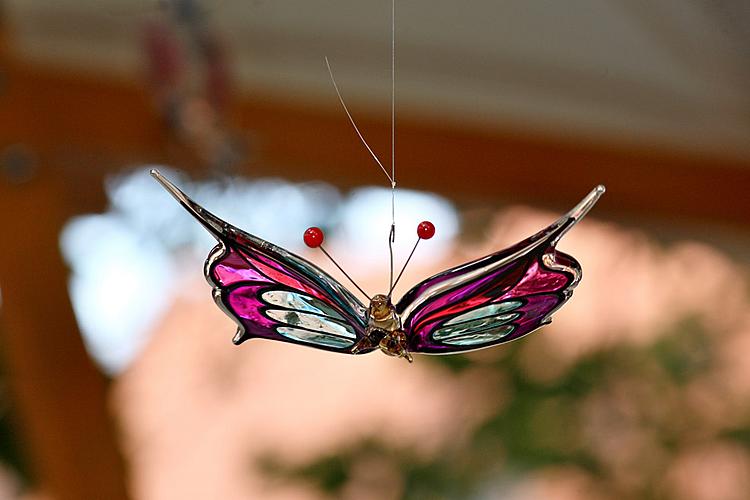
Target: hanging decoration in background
(189, 73)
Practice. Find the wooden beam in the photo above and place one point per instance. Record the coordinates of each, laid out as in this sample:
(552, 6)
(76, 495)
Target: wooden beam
(60, 396)
(467, 163)
(94, 125)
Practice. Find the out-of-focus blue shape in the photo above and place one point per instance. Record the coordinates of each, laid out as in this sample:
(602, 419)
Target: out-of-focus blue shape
(122, 281)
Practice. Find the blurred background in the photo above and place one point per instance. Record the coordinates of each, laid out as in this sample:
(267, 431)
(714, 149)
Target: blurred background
(118, 378)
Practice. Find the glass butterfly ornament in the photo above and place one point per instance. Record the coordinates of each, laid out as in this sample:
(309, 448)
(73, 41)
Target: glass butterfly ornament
(274, 294)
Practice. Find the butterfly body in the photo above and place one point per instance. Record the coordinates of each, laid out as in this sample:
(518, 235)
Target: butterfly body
(384, 329)
(274, 294)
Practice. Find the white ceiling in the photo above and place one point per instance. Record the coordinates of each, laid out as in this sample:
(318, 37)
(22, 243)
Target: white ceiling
(659, 72)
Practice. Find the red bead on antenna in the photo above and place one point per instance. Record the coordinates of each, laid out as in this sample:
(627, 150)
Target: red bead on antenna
(314, 237)
(426, 230)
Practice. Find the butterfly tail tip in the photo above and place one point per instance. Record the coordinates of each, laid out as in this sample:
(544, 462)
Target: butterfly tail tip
(239, 337)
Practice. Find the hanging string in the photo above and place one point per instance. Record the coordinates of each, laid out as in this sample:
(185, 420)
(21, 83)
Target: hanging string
(351, 120)
(391, 239)
(393, 113)
(392, 234)
(393, 284)
(392, 176)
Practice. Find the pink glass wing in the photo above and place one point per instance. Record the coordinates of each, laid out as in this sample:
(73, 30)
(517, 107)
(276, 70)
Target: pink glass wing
(495, 299)
(272, 293)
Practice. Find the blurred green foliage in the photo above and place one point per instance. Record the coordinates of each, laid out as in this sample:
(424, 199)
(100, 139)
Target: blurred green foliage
(11, 450)
(632, 394)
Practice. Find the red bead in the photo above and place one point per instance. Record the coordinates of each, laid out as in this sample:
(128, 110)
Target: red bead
(313, 237)
(426, 230)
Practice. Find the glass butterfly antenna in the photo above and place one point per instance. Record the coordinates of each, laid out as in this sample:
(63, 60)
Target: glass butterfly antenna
(274, 294)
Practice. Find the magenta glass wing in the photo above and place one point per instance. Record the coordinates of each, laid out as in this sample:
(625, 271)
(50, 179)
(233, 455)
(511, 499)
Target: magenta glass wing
(495, 299)
(272, 293)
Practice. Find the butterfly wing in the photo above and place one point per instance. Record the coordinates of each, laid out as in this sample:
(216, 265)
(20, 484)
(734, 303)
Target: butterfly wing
(495, 299)
(272, 293)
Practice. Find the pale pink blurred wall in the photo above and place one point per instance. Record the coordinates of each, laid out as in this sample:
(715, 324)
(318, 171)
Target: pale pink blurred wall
(198, 412)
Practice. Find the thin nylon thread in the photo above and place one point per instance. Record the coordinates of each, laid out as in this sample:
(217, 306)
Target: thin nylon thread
(392, 176)
(351, 120)
(393, 113)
